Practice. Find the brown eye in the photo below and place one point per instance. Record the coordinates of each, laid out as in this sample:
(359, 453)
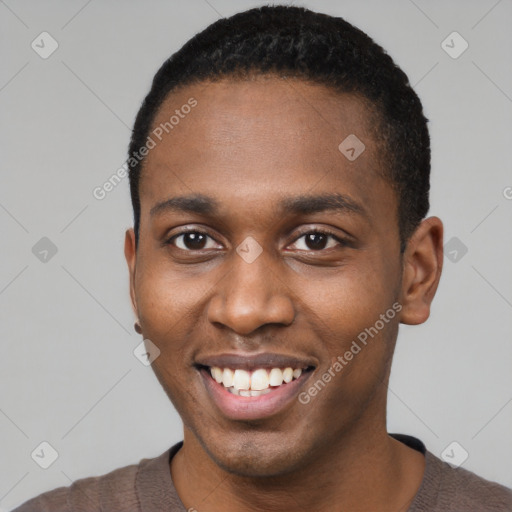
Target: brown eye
(318, 240)
(190, 241)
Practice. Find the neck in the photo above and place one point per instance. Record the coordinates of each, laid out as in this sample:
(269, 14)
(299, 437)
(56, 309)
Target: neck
(362, 471)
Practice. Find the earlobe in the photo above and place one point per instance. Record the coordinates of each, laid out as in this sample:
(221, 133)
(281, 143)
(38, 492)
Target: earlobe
(423, 261)
(130, 253)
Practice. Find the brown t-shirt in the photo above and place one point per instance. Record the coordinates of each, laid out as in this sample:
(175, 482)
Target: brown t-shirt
(148, 487)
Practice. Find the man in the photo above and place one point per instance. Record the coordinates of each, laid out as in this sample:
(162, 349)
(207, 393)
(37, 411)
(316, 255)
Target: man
(279, 172)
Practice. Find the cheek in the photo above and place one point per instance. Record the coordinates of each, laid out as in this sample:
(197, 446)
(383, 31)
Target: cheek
(169, 307)
(167, 299)
(356, 365)
(355, 316)
(351, 298)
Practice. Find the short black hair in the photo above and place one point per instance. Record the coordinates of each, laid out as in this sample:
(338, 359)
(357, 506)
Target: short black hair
(297, 42)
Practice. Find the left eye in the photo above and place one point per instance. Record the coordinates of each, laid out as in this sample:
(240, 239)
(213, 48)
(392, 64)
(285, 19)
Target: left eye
(316, 240)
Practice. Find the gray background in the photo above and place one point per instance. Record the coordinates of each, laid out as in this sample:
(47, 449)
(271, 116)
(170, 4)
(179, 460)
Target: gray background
(68, 375)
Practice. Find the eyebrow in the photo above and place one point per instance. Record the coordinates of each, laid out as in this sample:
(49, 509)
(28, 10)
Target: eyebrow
(303, 204)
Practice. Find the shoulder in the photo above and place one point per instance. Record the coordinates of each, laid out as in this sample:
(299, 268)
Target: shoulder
(456, 489)
(114, 491)
(475, 490)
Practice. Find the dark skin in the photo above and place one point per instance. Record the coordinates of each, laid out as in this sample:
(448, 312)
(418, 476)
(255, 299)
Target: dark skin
(249, 145)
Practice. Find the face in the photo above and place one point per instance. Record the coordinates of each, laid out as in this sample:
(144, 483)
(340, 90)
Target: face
(237, 279)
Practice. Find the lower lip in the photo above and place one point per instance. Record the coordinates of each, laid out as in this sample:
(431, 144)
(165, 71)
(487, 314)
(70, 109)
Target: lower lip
(237, 407)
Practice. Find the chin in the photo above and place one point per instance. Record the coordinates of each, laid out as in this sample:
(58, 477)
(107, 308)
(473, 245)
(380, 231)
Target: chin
(257, 456)
(253, 463)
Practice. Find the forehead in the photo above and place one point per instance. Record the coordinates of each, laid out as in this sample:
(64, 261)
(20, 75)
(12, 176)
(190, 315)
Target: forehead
(229, 111)
(259, 139)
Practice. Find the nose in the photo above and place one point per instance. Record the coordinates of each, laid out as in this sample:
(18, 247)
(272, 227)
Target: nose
(251, 294)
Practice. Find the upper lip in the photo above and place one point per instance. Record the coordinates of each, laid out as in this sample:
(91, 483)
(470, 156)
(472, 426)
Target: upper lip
(254, 361)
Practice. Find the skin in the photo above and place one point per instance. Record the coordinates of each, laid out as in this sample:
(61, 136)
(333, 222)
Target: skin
(248, 145)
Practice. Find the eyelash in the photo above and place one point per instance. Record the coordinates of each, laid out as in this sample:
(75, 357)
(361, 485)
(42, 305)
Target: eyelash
(342, 242)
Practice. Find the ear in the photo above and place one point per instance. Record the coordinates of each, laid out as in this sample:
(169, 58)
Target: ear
(422, 266)
(130, 253)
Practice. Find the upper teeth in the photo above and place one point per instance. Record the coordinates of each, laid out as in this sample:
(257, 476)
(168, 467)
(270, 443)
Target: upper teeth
(256, 380)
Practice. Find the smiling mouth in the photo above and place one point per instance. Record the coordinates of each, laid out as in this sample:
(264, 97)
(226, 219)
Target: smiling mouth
(257, 382)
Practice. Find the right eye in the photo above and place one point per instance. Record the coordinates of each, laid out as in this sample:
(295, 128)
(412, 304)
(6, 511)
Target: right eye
(190, 241)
